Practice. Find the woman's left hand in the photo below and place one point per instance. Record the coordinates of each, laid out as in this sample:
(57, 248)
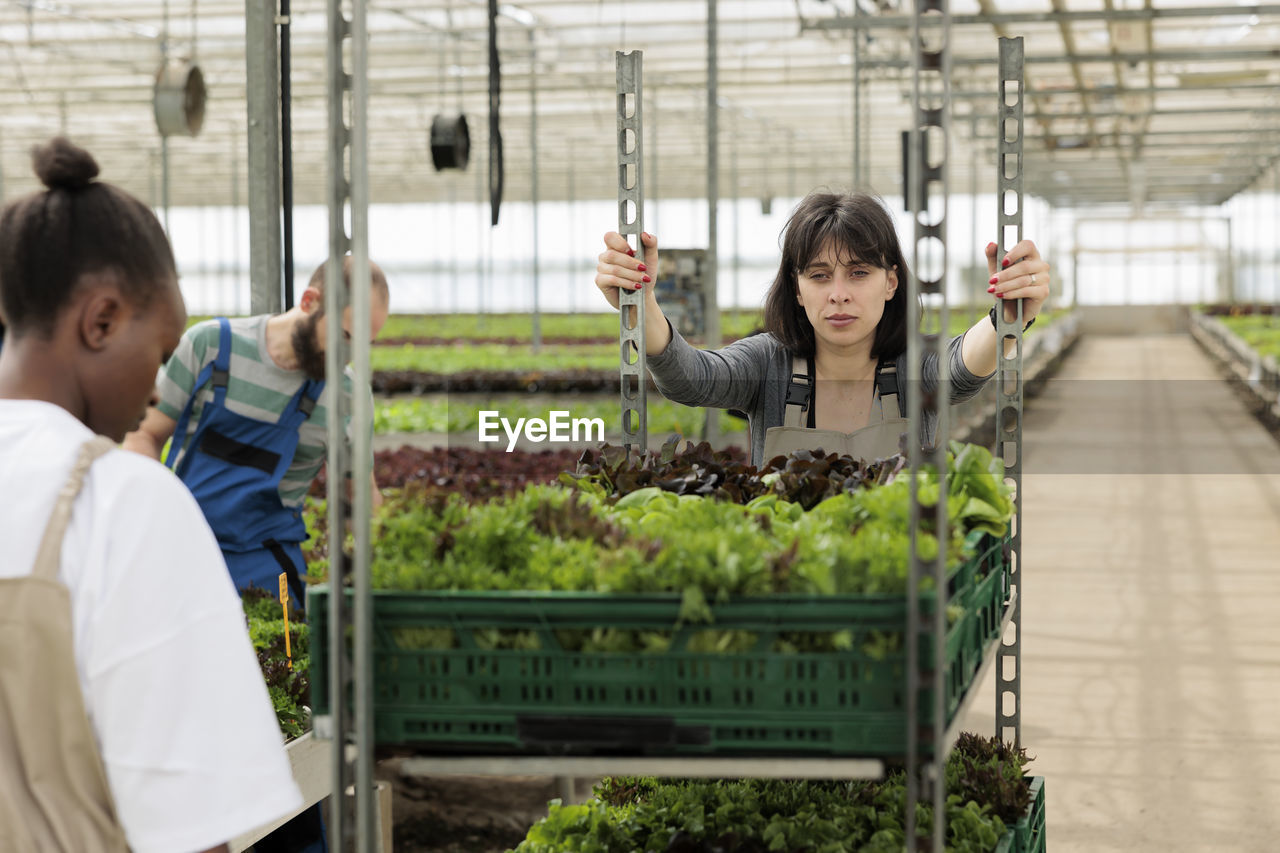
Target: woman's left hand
(1020, 274)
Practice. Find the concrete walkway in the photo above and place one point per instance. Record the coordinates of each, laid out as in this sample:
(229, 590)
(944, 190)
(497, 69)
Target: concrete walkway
(1151, 644)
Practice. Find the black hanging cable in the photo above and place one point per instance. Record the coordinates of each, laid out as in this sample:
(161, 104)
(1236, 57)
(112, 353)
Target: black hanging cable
(495, 134)
(286, 152)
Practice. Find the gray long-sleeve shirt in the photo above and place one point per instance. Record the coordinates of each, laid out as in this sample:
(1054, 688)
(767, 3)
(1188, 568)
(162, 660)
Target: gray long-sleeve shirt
(752, 375)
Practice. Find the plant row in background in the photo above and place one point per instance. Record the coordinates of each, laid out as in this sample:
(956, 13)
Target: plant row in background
(574, 381)
(467, 355)
(986, 794)
(558, 329)
(1240, 309)
(460, 413)
(601, 326)
(473, 474)
(1260, 331)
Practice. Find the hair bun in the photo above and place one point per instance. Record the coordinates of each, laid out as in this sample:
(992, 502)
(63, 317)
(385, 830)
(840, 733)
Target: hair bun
(62, 166)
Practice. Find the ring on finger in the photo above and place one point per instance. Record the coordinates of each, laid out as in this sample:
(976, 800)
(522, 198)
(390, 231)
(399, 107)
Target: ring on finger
(1033, 278)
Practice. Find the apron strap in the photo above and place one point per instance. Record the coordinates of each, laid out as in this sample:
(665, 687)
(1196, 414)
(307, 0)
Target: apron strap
(799, 395)
(887, 389)
(799, 410)
(49, 554)
(290, 570)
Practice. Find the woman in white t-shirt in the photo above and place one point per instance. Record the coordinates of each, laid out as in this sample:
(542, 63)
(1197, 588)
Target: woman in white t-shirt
(132, 712)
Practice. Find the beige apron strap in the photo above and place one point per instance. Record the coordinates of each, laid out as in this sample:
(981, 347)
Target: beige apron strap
(54, 791)
(887, 391)
(795, 410)
(49, 554)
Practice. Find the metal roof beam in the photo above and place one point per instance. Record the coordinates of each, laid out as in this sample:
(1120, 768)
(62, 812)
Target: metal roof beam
(901, 22)
(1269, 54)
(1108, 92)
(1204, 131)
(1157, 112)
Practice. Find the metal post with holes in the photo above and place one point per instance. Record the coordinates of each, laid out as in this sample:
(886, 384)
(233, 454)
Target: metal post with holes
(350, 674)
(1009, 378)
(635, 429)
(929, 138)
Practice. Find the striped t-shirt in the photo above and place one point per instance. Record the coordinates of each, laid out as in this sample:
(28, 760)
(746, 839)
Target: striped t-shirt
(258, 388)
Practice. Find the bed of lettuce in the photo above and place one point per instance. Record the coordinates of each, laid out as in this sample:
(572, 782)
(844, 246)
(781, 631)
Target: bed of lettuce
(289, 687)
(987, 792)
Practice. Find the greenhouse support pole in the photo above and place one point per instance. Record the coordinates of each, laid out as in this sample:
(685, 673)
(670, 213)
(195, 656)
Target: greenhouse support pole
(367, 829)
(262, 98)
(482, 234)
(164, 182)
(630, 74)
(571, 201)
(975, 298)
(734, 135)
(857, 97)
(349, 145)
(929, 141)
(336, 298)
(1230, 279)
(454, 239)
(286, 150)
(711, 307)
(235, 212)
(1009, 377)
(650, 189)
(533, 185)
(1075, 261)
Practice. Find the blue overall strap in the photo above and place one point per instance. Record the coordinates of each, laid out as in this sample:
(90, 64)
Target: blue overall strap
(302, 404)
(219, 371)
(222, 364)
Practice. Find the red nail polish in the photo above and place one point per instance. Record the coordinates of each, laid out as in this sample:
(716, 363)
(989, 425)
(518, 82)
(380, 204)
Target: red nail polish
(644, 278)
(641, 267)
(1005, 262)
(1000, 296)
(993, 279)
(631, 252)
(638, 286)
(991, 289)
(991, 245)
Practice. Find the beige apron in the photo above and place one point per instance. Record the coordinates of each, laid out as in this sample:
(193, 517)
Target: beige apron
(880, 438)
(53, 786)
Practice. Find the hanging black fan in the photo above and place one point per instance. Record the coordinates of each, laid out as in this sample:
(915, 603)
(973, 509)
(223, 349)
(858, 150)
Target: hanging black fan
(450, 142)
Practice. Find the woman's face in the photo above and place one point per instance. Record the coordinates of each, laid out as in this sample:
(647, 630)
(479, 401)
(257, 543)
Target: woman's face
(123, 374)
(843, 297)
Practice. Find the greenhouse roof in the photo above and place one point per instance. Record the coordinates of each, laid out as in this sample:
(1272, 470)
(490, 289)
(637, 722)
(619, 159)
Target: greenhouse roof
(1127, 103)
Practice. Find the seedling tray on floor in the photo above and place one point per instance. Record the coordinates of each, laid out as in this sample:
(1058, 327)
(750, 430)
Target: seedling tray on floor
(544, 698)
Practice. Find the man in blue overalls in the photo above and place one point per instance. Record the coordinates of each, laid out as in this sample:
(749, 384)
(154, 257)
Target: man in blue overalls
(247, 404)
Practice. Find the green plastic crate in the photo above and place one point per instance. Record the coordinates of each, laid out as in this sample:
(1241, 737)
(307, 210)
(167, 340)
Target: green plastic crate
(1028, 834)
(553, 700)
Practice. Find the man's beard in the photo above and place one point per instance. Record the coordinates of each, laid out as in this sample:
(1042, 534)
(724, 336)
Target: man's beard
(306, 346)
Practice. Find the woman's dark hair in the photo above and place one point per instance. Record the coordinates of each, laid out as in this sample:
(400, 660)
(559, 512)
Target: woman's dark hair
(49, 239)
(860, 227)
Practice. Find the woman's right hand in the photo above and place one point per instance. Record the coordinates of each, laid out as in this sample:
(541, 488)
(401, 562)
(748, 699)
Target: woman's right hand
(617, 267)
